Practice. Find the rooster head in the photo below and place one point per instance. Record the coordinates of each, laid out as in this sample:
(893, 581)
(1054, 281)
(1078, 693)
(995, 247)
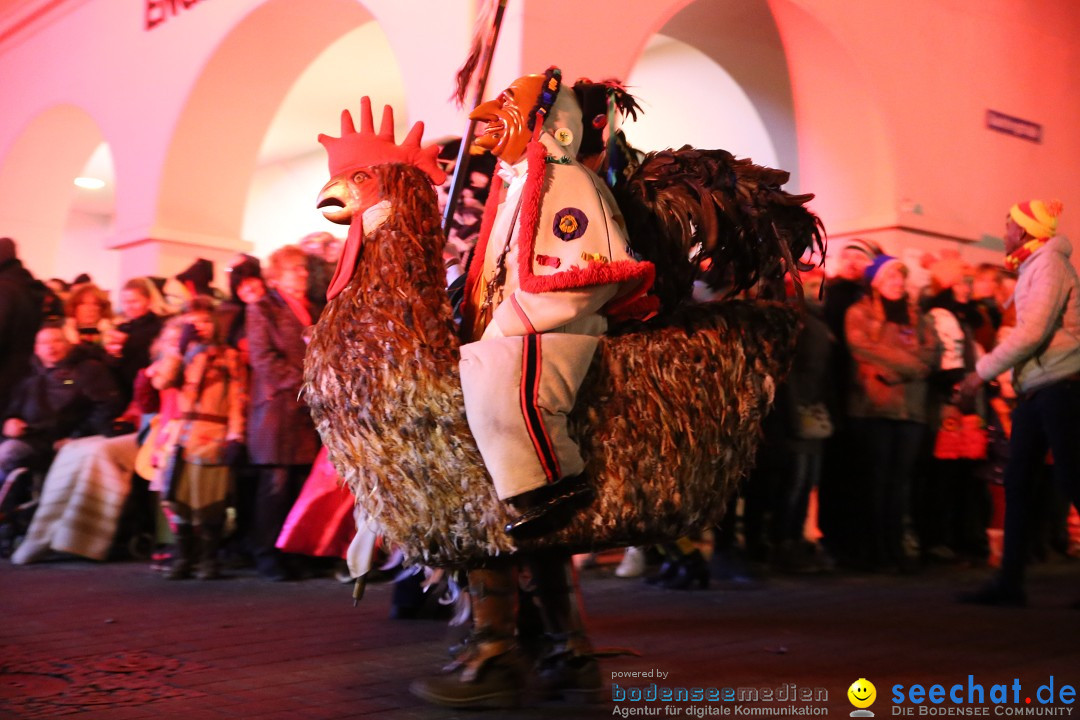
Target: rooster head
(352, 188)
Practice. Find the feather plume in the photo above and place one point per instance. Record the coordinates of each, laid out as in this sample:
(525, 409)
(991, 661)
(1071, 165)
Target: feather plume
(482, 32)
(689, 210)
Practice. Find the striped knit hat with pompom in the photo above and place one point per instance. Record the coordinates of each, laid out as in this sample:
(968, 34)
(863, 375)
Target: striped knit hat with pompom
(1038, 218)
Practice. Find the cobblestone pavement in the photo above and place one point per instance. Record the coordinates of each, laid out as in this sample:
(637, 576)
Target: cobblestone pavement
(115, 641)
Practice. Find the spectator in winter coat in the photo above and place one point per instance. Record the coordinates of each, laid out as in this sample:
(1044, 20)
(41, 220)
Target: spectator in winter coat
(1043, 351)
(128, 345)
(69, 394)
(894, 349)
(281, 436)
(21, 299)
(842, 470)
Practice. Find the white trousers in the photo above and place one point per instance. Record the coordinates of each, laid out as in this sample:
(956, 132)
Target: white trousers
(518, 392)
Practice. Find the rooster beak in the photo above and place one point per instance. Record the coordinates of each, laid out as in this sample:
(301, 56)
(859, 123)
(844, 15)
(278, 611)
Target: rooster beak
(333, 201)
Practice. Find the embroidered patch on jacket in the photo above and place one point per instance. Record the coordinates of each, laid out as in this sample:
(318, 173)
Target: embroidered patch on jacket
(549, 260)
(570, 224)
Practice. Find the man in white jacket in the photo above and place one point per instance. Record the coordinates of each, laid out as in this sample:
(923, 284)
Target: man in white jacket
(1044, 354)
(550, 268)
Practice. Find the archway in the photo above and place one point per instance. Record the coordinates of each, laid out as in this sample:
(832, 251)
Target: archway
(821, 112)
(687, 98)
(721, 66)
(845, 145)
(292, 164)
(220, 134)
(50, 218)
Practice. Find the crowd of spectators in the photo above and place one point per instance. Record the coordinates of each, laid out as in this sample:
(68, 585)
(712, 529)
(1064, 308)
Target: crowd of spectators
(174, 415)
(908, 470)
(872, 459)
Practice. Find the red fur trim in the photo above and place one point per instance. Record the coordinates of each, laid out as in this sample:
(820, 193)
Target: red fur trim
(636, 304)
(641, 308)
(597, 273)
(529, 217)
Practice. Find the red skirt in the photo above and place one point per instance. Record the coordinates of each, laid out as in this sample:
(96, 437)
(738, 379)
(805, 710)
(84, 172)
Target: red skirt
(321, 521)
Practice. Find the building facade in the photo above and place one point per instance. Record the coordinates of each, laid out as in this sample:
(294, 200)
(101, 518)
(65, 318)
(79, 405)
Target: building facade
(915, 122)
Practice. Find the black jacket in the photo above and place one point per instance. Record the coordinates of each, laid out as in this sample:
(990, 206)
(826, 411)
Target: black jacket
(135, 355)
(21, 300)
(76, 398)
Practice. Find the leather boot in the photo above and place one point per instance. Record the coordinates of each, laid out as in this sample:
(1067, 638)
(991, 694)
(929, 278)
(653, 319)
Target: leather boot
(549, 508)
(489, 671)
(568, 670)
(183, 553)
(209, 542)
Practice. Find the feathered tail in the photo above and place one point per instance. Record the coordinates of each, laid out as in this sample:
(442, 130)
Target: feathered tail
(705, 214)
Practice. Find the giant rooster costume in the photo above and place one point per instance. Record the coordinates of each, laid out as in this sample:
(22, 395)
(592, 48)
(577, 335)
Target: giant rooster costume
(653, 421)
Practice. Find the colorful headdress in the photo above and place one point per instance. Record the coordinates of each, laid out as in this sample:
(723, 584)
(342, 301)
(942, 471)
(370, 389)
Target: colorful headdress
(1038, 218)
(550, 90)
(355, 150)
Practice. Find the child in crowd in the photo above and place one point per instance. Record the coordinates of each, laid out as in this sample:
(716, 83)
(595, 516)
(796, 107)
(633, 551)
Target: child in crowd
(208, 427)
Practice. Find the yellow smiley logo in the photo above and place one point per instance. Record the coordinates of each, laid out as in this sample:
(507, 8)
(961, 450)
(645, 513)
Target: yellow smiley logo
(862, 693)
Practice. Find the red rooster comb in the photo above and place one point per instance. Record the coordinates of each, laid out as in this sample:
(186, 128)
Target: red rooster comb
(355, 150)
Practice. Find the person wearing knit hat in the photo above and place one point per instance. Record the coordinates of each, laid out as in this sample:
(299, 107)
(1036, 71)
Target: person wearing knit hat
(246, 287)
(847, 285)
(1043, 352)
(1036, 217)
(893, 349)
(884, 268)
(1037, 220)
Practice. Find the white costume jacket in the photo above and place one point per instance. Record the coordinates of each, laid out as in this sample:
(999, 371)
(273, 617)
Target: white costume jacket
(551, 265)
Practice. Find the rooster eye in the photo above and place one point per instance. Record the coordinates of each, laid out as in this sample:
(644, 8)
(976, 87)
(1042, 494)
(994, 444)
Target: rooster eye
(361, 176)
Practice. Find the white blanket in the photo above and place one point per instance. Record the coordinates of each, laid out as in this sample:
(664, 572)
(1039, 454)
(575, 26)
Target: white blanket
(81, 500)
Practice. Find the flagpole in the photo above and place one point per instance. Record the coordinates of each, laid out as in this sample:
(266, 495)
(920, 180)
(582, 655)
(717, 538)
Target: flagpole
(461, 166)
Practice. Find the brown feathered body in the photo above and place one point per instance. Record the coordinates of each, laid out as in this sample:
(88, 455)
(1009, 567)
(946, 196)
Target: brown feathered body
(668, 417)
